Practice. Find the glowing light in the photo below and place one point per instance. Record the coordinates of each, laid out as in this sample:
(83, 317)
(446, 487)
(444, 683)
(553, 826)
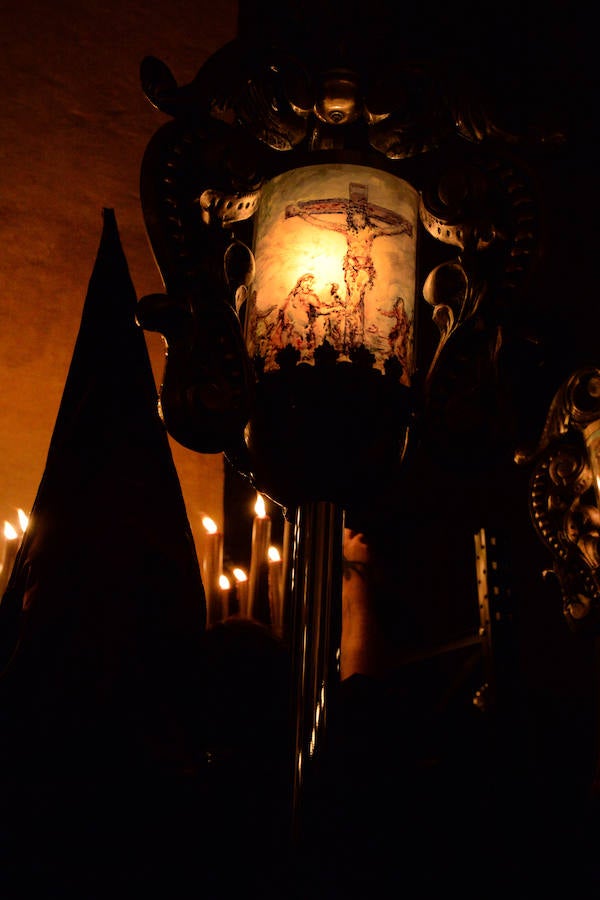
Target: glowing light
(259, 507)
(335, 249)
(257, 579)
(224, 582)
(242, 589)
(273, 554)
(209, 524)
(276, 598)
(211, 566)
(8, 556)
(23, 519)
(9, 532)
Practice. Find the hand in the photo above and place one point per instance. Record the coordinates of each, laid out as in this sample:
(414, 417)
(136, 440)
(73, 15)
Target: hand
(355, 553)
(365, 649)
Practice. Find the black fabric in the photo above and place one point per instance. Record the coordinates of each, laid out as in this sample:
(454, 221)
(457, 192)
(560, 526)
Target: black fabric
(102, 622)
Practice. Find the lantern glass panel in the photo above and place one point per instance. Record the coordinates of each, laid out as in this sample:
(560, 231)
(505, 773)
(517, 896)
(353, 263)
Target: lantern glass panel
(335, 250)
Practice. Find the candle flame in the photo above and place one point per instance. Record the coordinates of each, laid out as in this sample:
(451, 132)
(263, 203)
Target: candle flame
(9, 532)
(23, 519)
(259, 507)
(273, 554)
(239, 575)
(224, 582)
(209, 524)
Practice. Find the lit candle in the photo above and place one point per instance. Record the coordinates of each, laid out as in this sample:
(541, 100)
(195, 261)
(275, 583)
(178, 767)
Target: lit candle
(211, 568)
(258, 582)
(11, 546)
(225, 588)
(241, 592)
(23, 520)
(275, 590)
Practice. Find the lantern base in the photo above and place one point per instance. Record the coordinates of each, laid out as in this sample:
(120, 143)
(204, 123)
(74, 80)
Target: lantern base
(336, 433)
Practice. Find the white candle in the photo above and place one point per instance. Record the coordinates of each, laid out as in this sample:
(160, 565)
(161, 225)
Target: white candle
(11, 546)
(241, 592)
(275, 590)
(225, 589)
(211, 568)
(258, 582)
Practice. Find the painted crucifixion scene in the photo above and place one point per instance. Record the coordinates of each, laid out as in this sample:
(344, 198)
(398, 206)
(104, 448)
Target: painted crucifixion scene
(348, 278)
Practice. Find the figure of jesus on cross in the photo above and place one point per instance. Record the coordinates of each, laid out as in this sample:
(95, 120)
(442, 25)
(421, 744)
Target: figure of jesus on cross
(363, 223)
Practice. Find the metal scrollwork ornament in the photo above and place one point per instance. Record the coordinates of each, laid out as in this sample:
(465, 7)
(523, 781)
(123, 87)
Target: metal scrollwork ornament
(564, 491)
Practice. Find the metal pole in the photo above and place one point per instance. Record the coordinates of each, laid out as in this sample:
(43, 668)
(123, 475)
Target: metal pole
(315, 588)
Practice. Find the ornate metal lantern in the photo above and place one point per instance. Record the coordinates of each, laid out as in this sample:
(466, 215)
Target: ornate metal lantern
(330, 328)
(298, 208)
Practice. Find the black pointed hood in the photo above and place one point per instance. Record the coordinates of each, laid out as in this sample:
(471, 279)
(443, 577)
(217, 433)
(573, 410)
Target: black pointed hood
(105, 598)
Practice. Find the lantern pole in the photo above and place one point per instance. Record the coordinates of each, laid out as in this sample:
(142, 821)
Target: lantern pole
(315, 588)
